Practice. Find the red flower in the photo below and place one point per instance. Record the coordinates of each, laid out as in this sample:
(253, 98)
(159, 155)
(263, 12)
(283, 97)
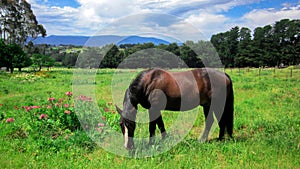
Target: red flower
(35, 107)
(27, 108)
(98, 129)
(67, 112)
(100, 124)
(10, 120)
(66, 105)
(85, 98)
(43, 116)
(51, 99)
(69, 94)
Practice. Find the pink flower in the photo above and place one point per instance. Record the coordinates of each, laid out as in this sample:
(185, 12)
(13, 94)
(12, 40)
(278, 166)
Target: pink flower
(100, 124)
(85, 98)
(66, 105)
(98, 129)
(69, 94)
(35, 107)
(67, 112)
(10, 120)
(51, 99)
(49, 107)
(43, 116)
(27, 108)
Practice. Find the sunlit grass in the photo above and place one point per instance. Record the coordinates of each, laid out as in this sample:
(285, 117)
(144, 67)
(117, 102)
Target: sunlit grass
(266, 128)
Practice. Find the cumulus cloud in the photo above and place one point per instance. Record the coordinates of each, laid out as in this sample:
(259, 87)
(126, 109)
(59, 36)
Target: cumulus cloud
(262, 17)
(131, 16)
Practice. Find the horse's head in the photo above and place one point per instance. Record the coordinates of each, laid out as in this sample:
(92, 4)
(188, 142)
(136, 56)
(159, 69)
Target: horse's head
(127, 121)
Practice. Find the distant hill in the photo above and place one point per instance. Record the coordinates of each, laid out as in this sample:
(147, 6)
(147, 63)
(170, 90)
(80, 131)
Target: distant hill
(96, 40)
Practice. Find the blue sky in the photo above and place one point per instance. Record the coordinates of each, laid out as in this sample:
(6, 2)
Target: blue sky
(172, 18)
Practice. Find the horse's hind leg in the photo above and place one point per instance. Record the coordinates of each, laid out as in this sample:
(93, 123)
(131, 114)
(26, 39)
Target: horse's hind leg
(222, 125)
(208, 122)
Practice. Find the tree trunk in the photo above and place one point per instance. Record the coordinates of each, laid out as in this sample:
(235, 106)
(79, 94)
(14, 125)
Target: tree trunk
(11, 70)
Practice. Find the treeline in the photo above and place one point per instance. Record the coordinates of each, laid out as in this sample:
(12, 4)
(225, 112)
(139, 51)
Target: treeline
(189, 54)
(271, 45)
(14, 56)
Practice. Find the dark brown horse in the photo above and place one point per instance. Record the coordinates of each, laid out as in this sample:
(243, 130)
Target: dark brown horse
(158, 89)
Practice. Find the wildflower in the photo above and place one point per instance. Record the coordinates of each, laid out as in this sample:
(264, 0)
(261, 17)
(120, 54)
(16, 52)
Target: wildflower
(49, 107)
(98, 129)
(85, 98)
(67, 112)
(106, 110)
(43, 116)
(104, 118)
(51, 99)
(35, 107)
(1, 104)
(66, 105)
(10, 120)
(27, 108)
(69, 94)
(16, 107)
(100, 124)
(60, 100)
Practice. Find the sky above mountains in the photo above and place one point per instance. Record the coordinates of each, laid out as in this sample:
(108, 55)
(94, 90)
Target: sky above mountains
(176, 19)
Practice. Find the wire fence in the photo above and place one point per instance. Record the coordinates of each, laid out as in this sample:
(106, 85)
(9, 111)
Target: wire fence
(284, 73)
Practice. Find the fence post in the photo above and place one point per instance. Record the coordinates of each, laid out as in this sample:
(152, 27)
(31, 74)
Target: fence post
(291, 73)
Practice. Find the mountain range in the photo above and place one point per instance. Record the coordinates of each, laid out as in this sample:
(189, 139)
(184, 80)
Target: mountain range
(96, 40)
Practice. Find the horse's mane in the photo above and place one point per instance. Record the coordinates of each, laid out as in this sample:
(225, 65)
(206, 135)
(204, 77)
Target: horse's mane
(136, 83)
(136, 88)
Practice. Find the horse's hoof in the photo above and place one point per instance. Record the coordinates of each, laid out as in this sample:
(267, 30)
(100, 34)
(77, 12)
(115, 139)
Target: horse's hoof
(203, 140)
(164, 135)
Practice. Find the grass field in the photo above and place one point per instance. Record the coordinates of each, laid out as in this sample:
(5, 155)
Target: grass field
(38, 132)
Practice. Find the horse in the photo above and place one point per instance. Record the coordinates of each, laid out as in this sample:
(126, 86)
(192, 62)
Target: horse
(158, 89)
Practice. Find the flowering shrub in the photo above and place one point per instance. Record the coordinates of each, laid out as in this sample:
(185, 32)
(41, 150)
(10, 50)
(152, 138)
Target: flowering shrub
(54, 114)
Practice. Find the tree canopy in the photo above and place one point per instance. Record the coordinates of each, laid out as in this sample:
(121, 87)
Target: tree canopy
(18, 23)
(270, 45)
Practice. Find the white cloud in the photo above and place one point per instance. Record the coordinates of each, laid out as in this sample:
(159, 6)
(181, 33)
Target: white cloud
(129, 17)
(262, 17)
(208, 23)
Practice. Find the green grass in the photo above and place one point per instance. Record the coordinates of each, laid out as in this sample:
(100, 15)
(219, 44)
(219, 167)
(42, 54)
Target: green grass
(266, 128)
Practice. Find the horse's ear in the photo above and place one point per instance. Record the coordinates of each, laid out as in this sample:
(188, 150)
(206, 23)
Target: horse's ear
(119, 110)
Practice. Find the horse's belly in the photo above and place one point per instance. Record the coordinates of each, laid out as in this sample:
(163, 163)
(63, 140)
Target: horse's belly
(179, 104)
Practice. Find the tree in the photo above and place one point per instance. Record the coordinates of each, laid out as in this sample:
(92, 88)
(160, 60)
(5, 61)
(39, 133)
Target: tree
(20, 59)
(17, 22)
(40, 60)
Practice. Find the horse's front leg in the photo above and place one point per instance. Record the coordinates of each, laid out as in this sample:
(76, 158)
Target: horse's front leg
(156, 118)
(161, 126)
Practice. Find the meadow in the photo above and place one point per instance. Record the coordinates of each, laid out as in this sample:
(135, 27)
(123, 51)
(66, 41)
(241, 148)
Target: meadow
(39, 127)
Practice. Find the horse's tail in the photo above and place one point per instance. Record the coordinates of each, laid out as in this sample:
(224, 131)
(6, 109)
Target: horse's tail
(229, 108)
